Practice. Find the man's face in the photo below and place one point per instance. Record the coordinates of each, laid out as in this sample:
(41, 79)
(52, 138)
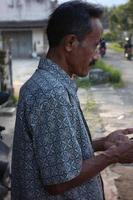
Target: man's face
(83, 52)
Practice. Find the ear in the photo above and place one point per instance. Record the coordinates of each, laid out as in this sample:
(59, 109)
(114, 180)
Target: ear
(70, 42)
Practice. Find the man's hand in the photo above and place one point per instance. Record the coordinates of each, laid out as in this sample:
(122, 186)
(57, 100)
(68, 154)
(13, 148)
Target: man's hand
(122, 153)
(104, 143)
(116, 137)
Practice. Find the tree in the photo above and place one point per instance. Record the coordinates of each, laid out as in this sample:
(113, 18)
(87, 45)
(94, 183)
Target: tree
(105, 18)
(130, 14)
(121, 20)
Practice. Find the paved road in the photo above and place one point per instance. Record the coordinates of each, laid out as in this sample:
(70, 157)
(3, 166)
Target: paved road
(115, 108)
(22, 70)
(125, 66)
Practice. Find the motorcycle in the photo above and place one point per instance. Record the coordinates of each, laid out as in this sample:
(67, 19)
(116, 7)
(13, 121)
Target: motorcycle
(4, 152)
(102, 51)
(128, 53)
(102, 47)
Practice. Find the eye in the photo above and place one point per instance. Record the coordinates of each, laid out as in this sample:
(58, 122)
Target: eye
(97, 44)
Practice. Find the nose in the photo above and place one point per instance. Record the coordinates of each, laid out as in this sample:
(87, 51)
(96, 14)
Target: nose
(96, 55)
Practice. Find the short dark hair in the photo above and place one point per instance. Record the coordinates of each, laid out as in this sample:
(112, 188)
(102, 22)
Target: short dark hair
(72, 17)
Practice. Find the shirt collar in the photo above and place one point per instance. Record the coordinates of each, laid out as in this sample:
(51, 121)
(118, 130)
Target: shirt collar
(58, 73)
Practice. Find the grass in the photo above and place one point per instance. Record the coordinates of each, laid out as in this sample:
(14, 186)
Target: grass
(118, 85)
(14, 99)
(83, 82)
(114, 76)
(90, 106)
(116, 47)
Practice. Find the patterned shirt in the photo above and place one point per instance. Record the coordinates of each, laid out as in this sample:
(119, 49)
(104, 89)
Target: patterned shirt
(51, 138)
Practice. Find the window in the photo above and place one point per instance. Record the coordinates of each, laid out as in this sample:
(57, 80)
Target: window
(19, 3)
(11, 3)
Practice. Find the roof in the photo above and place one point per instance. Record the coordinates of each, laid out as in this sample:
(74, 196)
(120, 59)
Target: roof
(23, 24)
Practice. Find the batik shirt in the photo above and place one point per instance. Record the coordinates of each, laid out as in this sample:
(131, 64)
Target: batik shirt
(51, 139)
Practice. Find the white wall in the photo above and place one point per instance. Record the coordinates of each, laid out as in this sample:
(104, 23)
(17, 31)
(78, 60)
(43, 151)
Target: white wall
(38, 40)
(16, 10)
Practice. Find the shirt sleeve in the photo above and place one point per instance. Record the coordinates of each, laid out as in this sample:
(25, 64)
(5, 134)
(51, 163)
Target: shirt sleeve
(56, 147)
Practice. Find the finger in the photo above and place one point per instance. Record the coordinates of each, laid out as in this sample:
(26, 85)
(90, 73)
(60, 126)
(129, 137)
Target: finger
(128, 131)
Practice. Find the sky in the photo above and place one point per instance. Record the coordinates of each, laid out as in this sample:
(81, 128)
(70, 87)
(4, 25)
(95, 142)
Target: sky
(108, 3)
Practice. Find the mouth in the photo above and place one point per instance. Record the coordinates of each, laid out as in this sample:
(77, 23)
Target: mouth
(92, 62)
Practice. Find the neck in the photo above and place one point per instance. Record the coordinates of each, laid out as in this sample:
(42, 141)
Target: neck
(58, 56)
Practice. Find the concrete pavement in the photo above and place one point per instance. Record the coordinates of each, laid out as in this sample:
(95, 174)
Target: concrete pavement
(22, 70)
(97, 129)
(112, 110)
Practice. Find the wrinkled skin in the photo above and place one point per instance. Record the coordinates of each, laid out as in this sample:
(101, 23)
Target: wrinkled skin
(119, 143)
(117, 136)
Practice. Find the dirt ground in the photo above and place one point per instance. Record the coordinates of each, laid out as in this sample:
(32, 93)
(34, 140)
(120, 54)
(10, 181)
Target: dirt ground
(124, 183)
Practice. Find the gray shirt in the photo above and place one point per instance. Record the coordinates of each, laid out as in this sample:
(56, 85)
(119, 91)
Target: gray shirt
(51, 138)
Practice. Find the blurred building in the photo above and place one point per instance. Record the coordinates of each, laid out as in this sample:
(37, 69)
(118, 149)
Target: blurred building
(23, 26)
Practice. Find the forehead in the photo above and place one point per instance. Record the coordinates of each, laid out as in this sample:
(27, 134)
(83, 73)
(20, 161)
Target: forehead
(96, 24)
(97, 29)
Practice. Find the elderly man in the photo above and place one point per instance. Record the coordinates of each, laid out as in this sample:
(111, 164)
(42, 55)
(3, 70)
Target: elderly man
(53, 153)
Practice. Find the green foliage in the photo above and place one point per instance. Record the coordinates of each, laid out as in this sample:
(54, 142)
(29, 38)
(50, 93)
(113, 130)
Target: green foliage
(110, 36)
(114, 78)
(121, 20)
(105, 18)
(90, 106)
(83, 82)
(118, 85)
(130, 14)
(116, 47)
(115, 75)
(14, 99)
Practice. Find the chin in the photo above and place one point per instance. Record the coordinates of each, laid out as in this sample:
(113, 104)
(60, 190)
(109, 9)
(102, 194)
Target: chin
(83, 74)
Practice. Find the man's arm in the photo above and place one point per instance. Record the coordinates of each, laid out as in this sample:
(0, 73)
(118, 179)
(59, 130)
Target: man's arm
(90, 168)
(122, 153)
(48, 145)
(98, 144)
